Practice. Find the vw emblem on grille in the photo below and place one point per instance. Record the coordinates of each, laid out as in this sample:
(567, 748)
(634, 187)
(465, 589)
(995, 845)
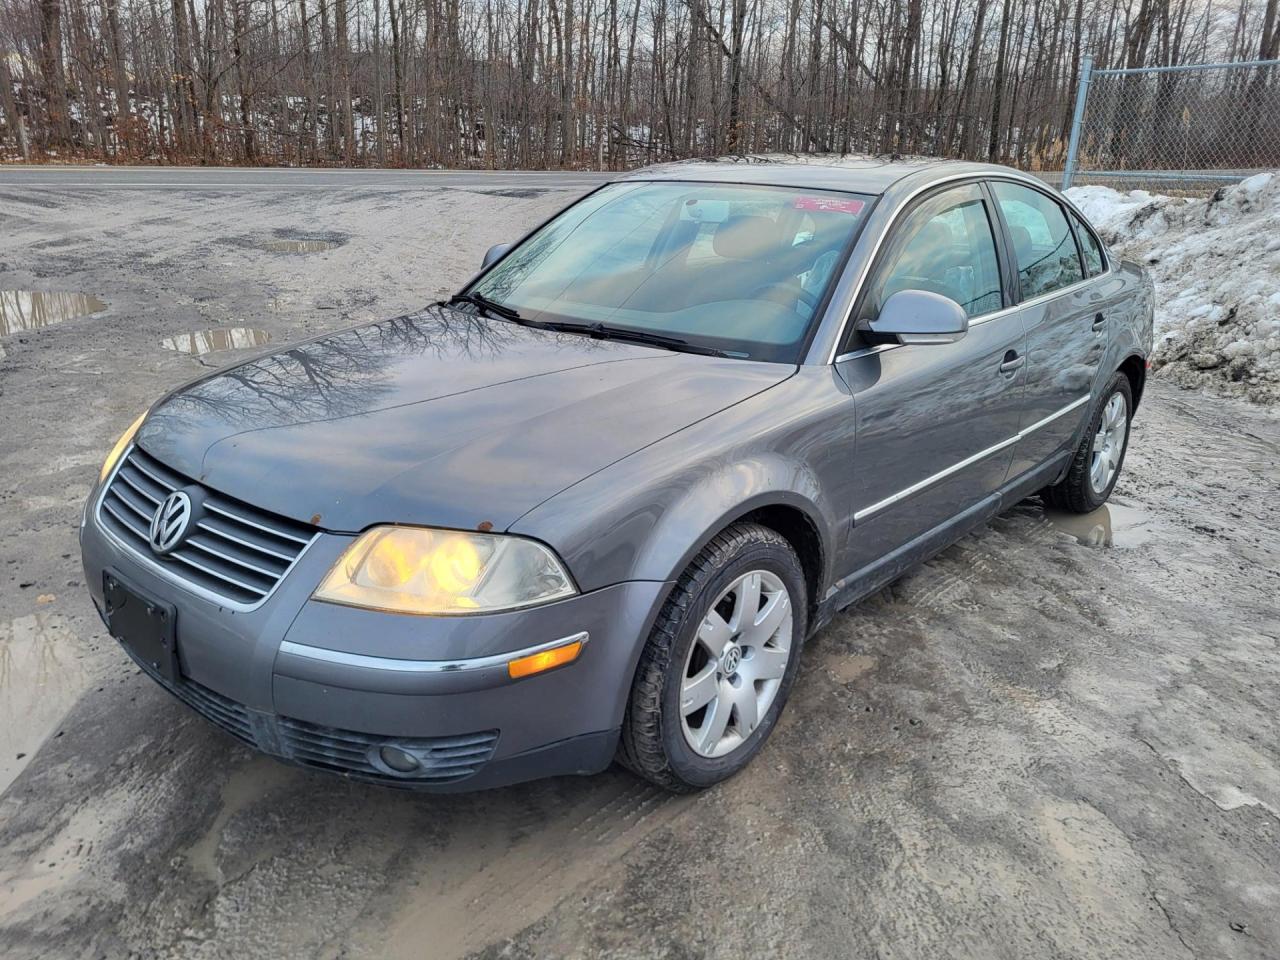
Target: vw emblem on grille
(169, 524)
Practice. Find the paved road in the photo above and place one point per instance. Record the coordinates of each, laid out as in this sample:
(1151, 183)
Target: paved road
(277, 178)
(188, 179)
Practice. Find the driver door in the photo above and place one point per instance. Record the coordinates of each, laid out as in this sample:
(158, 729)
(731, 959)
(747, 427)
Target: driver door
(937, 423)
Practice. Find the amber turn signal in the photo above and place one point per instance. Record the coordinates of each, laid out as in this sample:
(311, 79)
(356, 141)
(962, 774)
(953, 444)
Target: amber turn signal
(544, 660)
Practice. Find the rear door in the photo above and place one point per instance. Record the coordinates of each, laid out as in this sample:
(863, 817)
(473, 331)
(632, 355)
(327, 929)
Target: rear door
(935, 423)
(1064, 309)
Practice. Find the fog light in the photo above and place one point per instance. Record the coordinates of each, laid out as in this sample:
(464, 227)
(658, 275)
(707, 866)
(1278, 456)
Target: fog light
(398, 760)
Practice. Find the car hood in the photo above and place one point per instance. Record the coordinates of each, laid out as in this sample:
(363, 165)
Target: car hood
(438, 418)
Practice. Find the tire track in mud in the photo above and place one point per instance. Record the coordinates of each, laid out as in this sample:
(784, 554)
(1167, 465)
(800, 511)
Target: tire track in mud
(474, 900)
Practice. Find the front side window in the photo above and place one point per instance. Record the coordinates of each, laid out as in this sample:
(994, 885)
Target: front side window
(1090, 246)
(739, 269)
(1043, 246)
(944, 246)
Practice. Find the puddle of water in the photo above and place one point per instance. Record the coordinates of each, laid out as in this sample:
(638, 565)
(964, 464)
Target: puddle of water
(298, 246)
(40, 678)
(208, 341)
(61, 859)
(248, 784)
(22, 310)
(1111, 525)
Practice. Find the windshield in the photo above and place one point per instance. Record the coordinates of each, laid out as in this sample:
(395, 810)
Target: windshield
(726, 267)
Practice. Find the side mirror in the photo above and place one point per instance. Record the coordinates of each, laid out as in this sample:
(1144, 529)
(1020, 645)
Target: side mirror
(493, 253)
(918, 316)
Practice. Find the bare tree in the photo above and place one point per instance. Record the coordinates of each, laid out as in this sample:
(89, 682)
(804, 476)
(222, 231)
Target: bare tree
(608, 83)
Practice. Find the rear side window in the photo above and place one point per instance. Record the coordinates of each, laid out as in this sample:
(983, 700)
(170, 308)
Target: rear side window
(1089, 245)
(945, 246)
(1043, 245)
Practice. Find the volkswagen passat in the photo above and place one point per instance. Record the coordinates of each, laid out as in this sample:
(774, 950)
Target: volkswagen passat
(594, 504)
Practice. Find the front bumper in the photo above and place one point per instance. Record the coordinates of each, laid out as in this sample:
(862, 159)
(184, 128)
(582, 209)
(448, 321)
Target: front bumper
(328, 686)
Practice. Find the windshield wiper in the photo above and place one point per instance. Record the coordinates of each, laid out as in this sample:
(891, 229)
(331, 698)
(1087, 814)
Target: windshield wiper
(599, 331)
(488, 306)
(603, 331)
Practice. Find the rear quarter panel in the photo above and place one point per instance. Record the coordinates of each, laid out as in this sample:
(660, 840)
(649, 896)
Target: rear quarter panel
(1139, 292)
(1133, 332)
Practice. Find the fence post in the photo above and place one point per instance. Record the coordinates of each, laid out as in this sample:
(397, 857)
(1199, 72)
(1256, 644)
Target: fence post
(1077, 121)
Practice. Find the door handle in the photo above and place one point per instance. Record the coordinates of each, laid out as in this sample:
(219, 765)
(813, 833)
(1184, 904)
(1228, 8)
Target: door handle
(1099, 321)
(1012, 362)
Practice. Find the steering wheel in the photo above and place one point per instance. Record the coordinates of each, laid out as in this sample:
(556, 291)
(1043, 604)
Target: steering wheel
(784, 294)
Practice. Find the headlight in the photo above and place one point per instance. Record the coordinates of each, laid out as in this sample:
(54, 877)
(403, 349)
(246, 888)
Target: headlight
(126, 438)
(419, 570)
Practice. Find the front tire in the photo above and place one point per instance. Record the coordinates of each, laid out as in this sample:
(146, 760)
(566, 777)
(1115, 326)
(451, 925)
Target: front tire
(718, 666)
(1096, 464)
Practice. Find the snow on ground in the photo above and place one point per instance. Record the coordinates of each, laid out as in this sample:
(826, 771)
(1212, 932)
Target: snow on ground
(1216, 266)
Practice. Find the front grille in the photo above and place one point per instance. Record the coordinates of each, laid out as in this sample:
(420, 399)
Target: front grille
(236, 551)
(347, 752)
(442, 758)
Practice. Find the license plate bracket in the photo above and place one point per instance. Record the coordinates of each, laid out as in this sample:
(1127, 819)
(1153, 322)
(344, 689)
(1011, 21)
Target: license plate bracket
(145, 625)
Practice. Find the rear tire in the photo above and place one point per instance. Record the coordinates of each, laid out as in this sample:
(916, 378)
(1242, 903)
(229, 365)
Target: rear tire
(1095, 465)
(695, 718)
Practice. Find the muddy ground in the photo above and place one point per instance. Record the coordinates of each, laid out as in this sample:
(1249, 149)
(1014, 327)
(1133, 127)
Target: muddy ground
(1057, 739)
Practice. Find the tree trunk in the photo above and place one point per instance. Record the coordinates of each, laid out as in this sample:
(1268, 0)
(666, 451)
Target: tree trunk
(58, 127)
(12, 118)
(735, 75)
(567, 119)
(966, 110)
(398, 81)
(379, 108)
(119, 76)
(184, 134)
(239, 28)
(997, 90)
(344, 82)
(308, 140)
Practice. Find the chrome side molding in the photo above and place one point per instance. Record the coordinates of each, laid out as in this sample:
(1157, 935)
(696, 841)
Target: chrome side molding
(394, 665)
(867, 512)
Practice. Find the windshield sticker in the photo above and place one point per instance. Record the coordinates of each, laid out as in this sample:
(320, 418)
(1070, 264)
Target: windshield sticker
(830, 205)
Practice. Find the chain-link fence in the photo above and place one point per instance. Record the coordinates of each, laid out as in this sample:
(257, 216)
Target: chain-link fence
(1175, 129)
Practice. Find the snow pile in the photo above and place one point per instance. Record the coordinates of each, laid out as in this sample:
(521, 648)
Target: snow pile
(1216, 266)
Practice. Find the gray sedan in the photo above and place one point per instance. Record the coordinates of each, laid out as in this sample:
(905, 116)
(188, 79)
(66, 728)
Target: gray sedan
(593, 506)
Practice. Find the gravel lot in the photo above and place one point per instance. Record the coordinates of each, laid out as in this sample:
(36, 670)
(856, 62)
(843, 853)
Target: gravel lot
(1057, 739)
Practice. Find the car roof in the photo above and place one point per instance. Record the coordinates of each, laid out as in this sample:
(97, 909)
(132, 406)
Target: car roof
(856, 174)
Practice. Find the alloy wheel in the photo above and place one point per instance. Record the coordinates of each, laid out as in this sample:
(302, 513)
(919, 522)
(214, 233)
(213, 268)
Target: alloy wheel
(736, 664)
(1108, 443)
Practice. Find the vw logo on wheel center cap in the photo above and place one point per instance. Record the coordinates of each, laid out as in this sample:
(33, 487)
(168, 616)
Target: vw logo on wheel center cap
(730, 659)
(170, 521)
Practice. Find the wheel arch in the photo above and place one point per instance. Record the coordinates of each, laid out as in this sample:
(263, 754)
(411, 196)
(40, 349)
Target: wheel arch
(794, 517)
(800, 530)
(1134, 367)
